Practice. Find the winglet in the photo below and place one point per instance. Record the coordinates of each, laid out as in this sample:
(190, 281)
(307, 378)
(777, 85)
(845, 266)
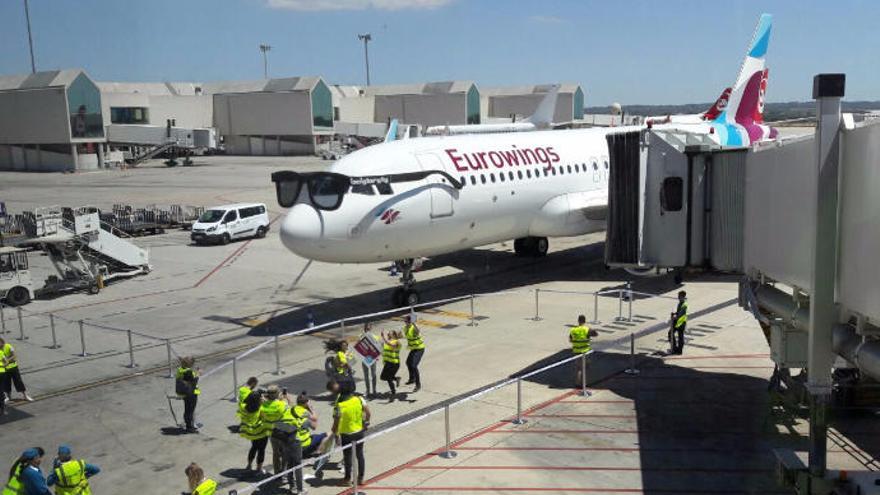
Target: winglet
(543, 116)
(391, 135)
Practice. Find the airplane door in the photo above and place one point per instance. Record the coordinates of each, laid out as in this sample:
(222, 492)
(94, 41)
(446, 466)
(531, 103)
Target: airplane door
(440, 189)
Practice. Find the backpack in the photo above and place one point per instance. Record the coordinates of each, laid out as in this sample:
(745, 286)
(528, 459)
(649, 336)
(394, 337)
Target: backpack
(284, 431)
(182, 387)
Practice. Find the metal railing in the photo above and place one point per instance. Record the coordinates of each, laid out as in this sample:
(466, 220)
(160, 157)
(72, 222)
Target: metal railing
(447, 451)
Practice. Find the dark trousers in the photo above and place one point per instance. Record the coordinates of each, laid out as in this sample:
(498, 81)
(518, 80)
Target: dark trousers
(3, 380)
(412, 365)
(13, 375)
(389, 372)
(293, 456)
(678, 339)
(189, 410)
(359, 452)
(277, 455)
(258, 450)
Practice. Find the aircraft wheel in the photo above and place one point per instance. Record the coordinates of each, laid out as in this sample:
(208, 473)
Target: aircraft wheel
(540, 246)
(519, 246)
(411, 298)
(18, 296)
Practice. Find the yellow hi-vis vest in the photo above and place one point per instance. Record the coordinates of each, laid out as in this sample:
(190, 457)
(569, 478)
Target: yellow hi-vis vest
(273, 411)
(391, 353)
(351, 415)
(14, 485)
(301, 415)
(182, 371)
(243, 393)
(414, 341)
(72, 479)
(580, 339)
(207, 487)
(6, 353)
(682, 312)
(342, 361)
(252, 426)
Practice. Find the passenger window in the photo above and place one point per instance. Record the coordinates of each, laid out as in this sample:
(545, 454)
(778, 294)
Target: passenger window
(501, 176)
(606, 164)
(519, 174)
(672, 194)
(553, 170)
(510, 175)
(595, 166)
(529, 174)
(492, 178)
(482, 179)
(231, 216)
(569, 168)
(384, 188)
(561, 170)
(261, 209)
(473, 180)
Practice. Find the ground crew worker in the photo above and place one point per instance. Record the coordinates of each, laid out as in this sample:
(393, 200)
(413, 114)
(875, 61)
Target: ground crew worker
(3, 397)
(245, 390)
(272, 412)
(30, 476)
(391, 362)
(337, 363)
(351, 418)
(679, 323)
(187, 387)
(15, 484)
(198, 483)
(369, 369)
(293, 434)
(71, 477)
(13, 375)
(416, 350)
(317, 441)
(253, 429)
(579, 337)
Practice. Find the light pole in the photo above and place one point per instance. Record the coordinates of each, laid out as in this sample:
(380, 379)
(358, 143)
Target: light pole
(265, 49)
(366, 38)
(27, 16)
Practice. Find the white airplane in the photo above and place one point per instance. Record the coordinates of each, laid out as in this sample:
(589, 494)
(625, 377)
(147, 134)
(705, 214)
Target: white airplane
(401, 200)
(541, 119)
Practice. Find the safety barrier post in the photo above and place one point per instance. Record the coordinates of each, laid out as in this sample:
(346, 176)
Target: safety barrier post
(447, 453)
(619, 305)
(595, 320)
(473, 322)
(519, 419)
(632, 356)
(278, 370)
(2, 320)
(354, 468)
(170, 364)
(342, 328)
(20, 325)
(584, 391)
(82, 339)
(234, 379)
(52, 328)
(537, 315)
(131, 363)
(629, 296)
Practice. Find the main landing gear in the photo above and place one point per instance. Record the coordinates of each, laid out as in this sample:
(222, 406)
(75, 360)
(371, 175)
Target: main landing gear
(531, 246)
(406, 295)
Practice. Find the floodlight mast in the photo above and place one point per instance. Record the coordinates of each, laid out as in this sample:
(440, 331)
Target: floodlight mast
(366, 38)
(265, 49)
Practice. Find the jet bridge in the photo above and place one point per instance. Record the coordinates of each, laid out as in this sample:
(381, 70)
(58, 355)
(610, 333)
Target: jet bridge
(83, 251)
(798, 219)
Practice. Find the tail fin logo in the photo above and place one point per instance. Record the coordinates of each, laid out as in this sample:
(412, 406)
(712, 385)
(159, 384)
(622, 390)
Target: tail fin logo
(762, 90)
(719, 106)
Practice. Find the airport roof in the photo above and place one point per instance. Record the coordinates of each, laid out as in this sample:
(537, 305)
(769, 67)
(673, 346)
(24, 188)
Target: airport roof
(208, 88)
(441, 87)
(44, 79)
(527, 90)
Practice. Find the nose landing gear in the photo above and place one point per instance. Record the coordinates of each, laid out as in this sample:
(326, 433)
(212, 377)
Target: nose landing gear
(406, 295)
(531, 246)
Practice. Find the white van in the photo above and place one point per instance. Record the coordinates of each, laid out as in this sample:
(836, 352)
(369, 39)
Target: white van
(225, 223)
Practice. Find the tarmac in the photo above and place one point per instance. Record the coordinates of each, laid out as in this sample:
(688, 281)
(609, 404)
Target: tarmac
(697, 423)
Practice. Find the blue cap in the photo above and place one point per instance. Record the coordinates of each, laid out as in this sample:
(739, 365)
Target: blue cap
(63, 450)
(30, 454)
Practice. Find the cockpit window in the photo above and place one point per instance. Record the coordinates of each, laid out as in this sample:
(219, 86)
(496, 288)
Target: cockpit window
(366, 189)
(384, 188)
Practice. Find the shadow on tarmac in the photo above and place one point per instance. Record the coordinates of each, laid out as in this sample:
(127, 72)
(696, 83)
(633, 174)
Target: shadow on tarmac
(482, 271)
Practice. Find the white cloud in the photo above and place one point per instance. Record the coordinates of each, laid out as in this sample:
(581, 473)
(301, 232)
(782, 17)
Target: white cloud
(547, 19)
(318, 5)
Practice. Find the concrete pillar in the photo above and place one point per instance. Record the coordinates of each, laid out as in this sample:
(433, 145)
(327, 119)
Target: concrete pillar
(100, 149)
(74, 158)
(827, 91)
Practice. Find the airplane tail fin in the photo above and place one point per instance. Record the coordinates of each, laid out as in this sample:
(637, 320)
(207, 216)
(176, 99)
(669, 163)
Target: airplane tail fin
(718, 107)
(391, 135)
(543, 116)
(745, 101)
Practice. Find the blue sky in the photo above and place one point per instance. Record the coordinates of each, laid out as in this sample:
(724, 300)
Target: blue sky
(670, 51)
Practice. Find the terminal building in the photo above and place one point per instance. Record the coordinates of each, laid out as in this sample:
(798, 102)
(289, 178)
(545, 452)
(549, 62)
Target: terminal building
(518, 102)
(425, 104)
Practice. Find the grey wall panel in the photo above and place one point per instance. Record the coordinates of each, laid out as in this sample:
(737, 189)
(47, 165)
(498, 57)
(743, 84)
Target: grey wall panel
(34, 116)
(665, 232)
(262, 114)
(780, 212)
(858, 270)
(187, 111)
(427, 110)
(726, 226)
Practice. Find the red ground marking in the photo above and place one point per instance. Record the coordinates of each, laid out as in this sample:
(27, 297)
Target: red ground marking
(580, 489)
(616, 416)
(633, 432)
(220, 265)
(593, 468)
(724, 356)
(622, 449)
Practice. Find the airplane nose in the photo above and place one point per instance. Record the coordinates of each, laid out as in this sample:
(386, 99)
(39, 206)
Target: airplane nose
(302, 229)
